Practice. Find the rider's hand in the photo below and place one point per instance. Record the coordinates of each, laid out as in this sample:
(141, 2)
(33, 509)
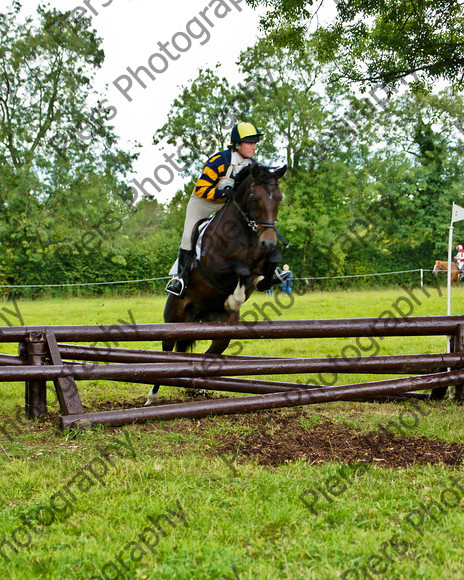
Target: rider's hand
(228, 192)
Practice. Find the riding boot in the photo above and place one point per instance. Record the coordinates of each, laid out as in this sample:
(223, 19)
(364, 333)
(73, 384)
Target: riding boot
(178, 284)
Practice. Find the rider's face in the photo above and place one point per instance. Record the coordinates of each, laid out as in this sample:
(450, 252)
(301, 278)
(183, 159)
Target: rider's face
(247, 150)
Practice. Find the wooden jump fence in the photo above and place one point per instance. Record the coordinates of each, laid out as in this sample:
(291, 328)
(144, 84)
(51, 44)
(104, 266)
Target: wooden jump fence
(44, 352)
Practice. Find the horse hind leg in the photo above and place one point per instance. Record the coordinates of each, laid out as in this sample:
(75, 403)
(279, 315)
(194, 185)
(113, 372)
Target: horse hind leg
(175, 311)
(218, 346)
(153, 394)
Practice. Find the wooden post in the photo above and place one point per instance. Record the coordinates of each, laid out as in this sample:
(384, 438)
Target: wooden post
(66, 389)
(36, 390)
(458, 347)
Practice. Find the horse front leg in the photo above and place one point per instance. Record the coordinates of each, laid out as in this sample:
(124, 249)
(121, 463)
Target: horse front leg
(268, 279)
(234, 301)
(218, 346)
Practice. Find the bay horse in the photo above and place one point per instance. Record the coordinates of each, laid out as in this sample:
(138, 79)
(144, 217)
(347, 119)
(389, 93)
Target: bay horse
(238, 255)
(442, 265)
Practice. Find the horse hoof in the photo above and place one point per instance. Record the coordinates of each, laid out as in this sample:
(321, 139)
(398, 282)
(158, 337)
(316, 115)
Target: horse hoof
(152, 398)
(257, 280)
(234, 301)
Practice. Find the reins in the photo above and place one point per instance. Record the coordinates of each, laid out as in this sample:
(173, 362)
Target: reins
(211, 280)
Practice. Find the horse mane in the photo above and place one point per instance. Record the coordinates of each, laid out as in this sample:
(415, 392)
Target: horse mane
(263, 177)
(241, 176)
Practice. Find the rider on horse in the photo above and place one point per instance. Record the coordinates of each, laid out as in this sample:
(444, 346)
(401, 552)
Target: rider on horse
(213, 188)
(459, 257)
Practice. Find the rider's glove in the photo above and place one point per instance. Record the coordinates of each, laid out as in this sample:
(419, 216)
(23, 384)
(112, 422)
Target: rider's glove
(226, 187)
(228, 192)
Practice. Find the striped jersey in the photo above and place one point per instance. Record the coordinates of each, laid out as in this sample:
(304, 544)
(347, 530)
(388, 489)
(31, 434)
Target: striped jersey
(213, 171)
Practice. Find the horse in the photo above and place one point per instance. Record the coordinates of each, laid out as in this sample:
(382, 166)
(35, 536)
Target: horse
(442, 265)
(238, 255)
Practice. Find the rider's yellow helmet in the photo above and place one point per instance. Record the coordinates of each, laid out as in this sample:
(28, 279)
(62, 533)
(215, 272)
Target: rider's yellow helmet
(244, 132)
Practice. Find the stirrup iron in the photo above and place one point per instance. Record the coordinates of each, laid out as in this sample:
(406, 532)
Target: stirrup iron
(179, 293)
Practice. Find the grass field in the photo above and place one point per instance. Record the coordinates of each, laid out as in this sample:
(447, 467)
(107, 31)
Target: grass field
(240, 497)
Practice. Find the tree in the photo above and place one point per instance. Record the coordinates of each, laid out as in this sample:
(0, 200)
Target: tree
(377, 42)
(416, 175)
(60, 167)
(282, 94)
(289, 109)
(278, 94)
(370, 181)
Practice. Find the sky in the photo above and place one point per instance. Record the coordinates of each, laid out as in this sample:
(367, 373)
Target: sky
(131, 30)
(200, 33)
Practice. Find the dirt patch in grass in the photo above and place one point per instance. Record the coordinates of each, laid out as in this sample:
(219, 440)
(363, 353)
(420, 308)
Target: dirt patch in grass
(281, 439)
(277, 437)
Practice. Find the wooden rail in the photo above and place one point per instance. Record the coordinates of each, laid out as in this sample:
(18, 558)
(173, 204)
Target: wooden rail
(43, 358)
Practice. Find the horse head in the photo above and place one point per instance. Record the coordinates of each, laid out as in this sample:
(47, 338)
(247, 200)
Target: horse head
(258, 196)
(436, 268)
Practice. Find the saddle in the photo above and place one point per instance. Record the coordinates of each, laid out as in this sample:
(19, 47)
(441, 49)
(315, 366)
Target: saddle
(197, 241)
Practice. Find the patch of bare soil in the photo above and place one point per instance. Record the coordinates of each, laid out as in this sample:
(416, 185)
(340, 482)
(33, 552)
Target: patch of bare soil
(283, 439)
(277, 437)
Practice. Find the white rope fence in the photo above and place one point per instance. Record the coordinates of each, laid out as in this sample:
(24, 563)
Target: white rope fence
(82, 283)
(363, 275)
(421, 270)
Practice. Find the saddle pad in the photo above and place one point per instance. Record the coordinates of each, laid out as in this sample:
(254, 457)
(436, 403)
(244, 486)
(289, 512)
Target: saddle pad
(201, 230)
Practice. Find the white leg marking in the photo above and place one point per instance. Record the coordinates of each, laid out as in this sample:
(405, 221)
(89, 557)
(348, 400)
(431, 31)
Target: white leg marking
(235, 300)
(151, 398)
(257, 280)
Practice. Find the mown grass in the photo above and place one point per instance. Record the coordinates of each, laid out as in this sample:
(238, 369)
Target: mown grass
(244, 520)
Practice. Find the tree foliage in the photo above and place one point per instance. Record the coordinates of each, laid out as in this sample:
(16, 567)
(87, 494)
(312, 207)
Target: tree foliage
(377, 41)
(60, 166)
(200, 120)
(369, 186)
(370, 182)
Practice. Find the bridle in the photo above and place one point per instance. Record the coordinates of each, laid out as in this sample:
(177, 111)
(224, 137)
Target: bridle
(249, 215)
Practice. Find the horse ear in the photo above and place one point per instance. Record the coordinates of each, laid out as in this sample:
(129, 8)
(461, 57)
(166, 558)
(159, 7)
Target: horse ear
(278, 173)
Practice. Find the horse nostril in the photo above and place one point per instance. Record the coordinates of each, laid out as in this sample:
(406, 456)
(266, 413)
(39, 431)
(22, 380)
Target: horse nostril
(268, 245)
